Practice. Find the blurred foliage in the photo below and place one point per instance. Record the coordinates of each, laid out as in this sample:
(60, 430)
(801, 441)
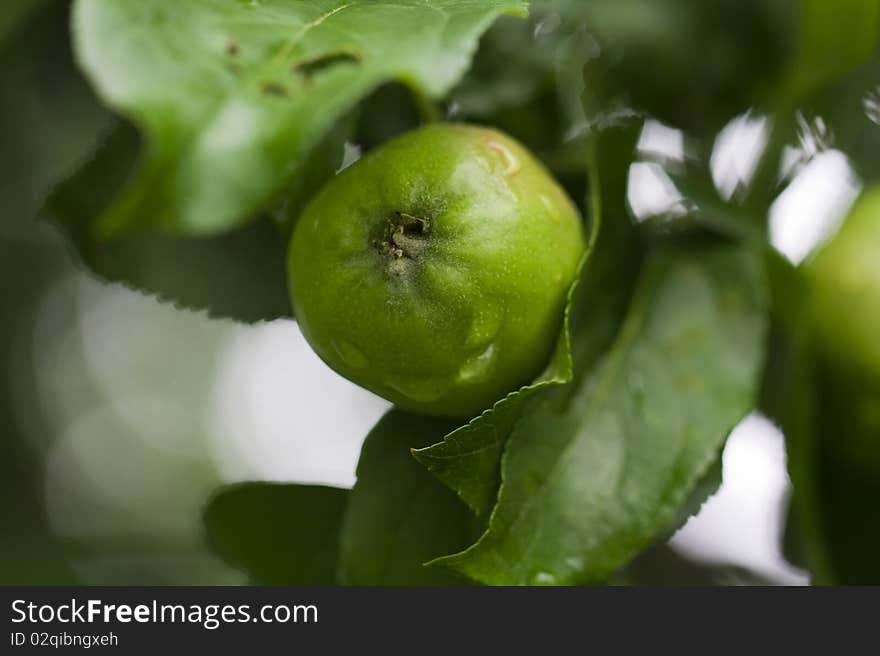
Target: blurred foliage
(64, 442)
(193, 272)
(39, 101)
(844, 453)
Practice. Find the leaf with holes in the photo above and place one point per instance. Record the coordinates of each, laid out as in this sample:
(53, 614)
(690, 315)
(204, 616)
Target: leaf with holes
(231, 96)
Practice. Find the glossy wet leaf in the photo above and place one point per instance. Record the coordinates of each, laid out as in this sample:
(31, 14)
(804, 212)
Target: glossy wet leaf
(468, 459)
(595, 471)
(400, 516)
(231, 96)
(278, 534)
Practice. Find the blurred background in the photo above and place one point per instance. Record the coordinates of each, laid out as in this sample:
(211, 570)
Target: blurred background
(119, 415)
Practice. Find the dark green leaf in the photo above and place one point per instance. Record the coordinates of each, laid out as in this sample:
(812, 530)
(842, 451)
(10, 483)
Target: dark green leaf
(850, 109)
(232, 96)
(788, 397)
(833, 437)
(595, 471)
(835, 37)
(468, 460)
(13, 15)
(239, 274)
(848, 475)
(663, 566)
(694, 65)
(514, 63)
(323, 161)
(705, 488)
(278, 534)
(399, 515)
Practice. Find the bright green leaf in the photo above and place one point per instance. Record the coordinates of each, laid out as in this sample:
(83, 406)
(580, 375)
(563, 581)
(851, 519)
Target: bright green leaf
(399, 516)
(231, 96)
(278, 534)
(595, 471)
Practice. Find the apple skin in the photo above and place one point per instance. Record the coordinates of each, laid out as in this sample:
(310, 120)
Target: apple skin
(844, 281)
(434, 271)
(845, 289)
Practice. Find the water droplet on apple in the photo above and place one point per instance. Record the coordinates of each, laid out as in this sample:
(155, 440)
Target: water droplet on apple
(419, 388)
(478, 367)
(551, 207)
(484, 327)
(351, 355)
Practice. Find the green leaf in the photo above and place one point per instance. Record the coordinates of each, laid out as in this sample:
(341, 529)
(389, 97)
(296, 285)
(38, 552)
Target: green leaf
(468, 459)
(663, 566)
(595, 471)
(706, 487)
(850, 108)
(239, 274)
(788, 398)
(835, 37)
(232, 96)
(399, 516)
(848, 476)
(278, 534)
(514, 63)
(833, 441)
(13, 15)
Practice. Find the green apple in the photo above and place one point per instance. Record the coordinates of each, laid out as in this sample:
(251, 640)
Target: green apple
(434, 271)
(845, 286)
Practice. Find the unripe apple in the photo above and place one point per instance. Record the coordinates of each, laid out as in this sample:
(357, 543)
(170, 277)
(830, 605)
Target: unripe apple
(434, 271)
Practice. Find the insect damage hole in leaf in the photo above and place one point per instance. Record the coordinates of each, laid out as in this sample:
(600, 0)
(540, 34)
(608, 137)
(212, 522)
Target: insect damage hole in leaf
(222, 147)
(324, 63)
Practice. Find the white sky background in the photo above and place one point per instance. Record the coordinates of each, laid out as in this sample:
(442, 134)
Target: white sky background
(271, 410)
